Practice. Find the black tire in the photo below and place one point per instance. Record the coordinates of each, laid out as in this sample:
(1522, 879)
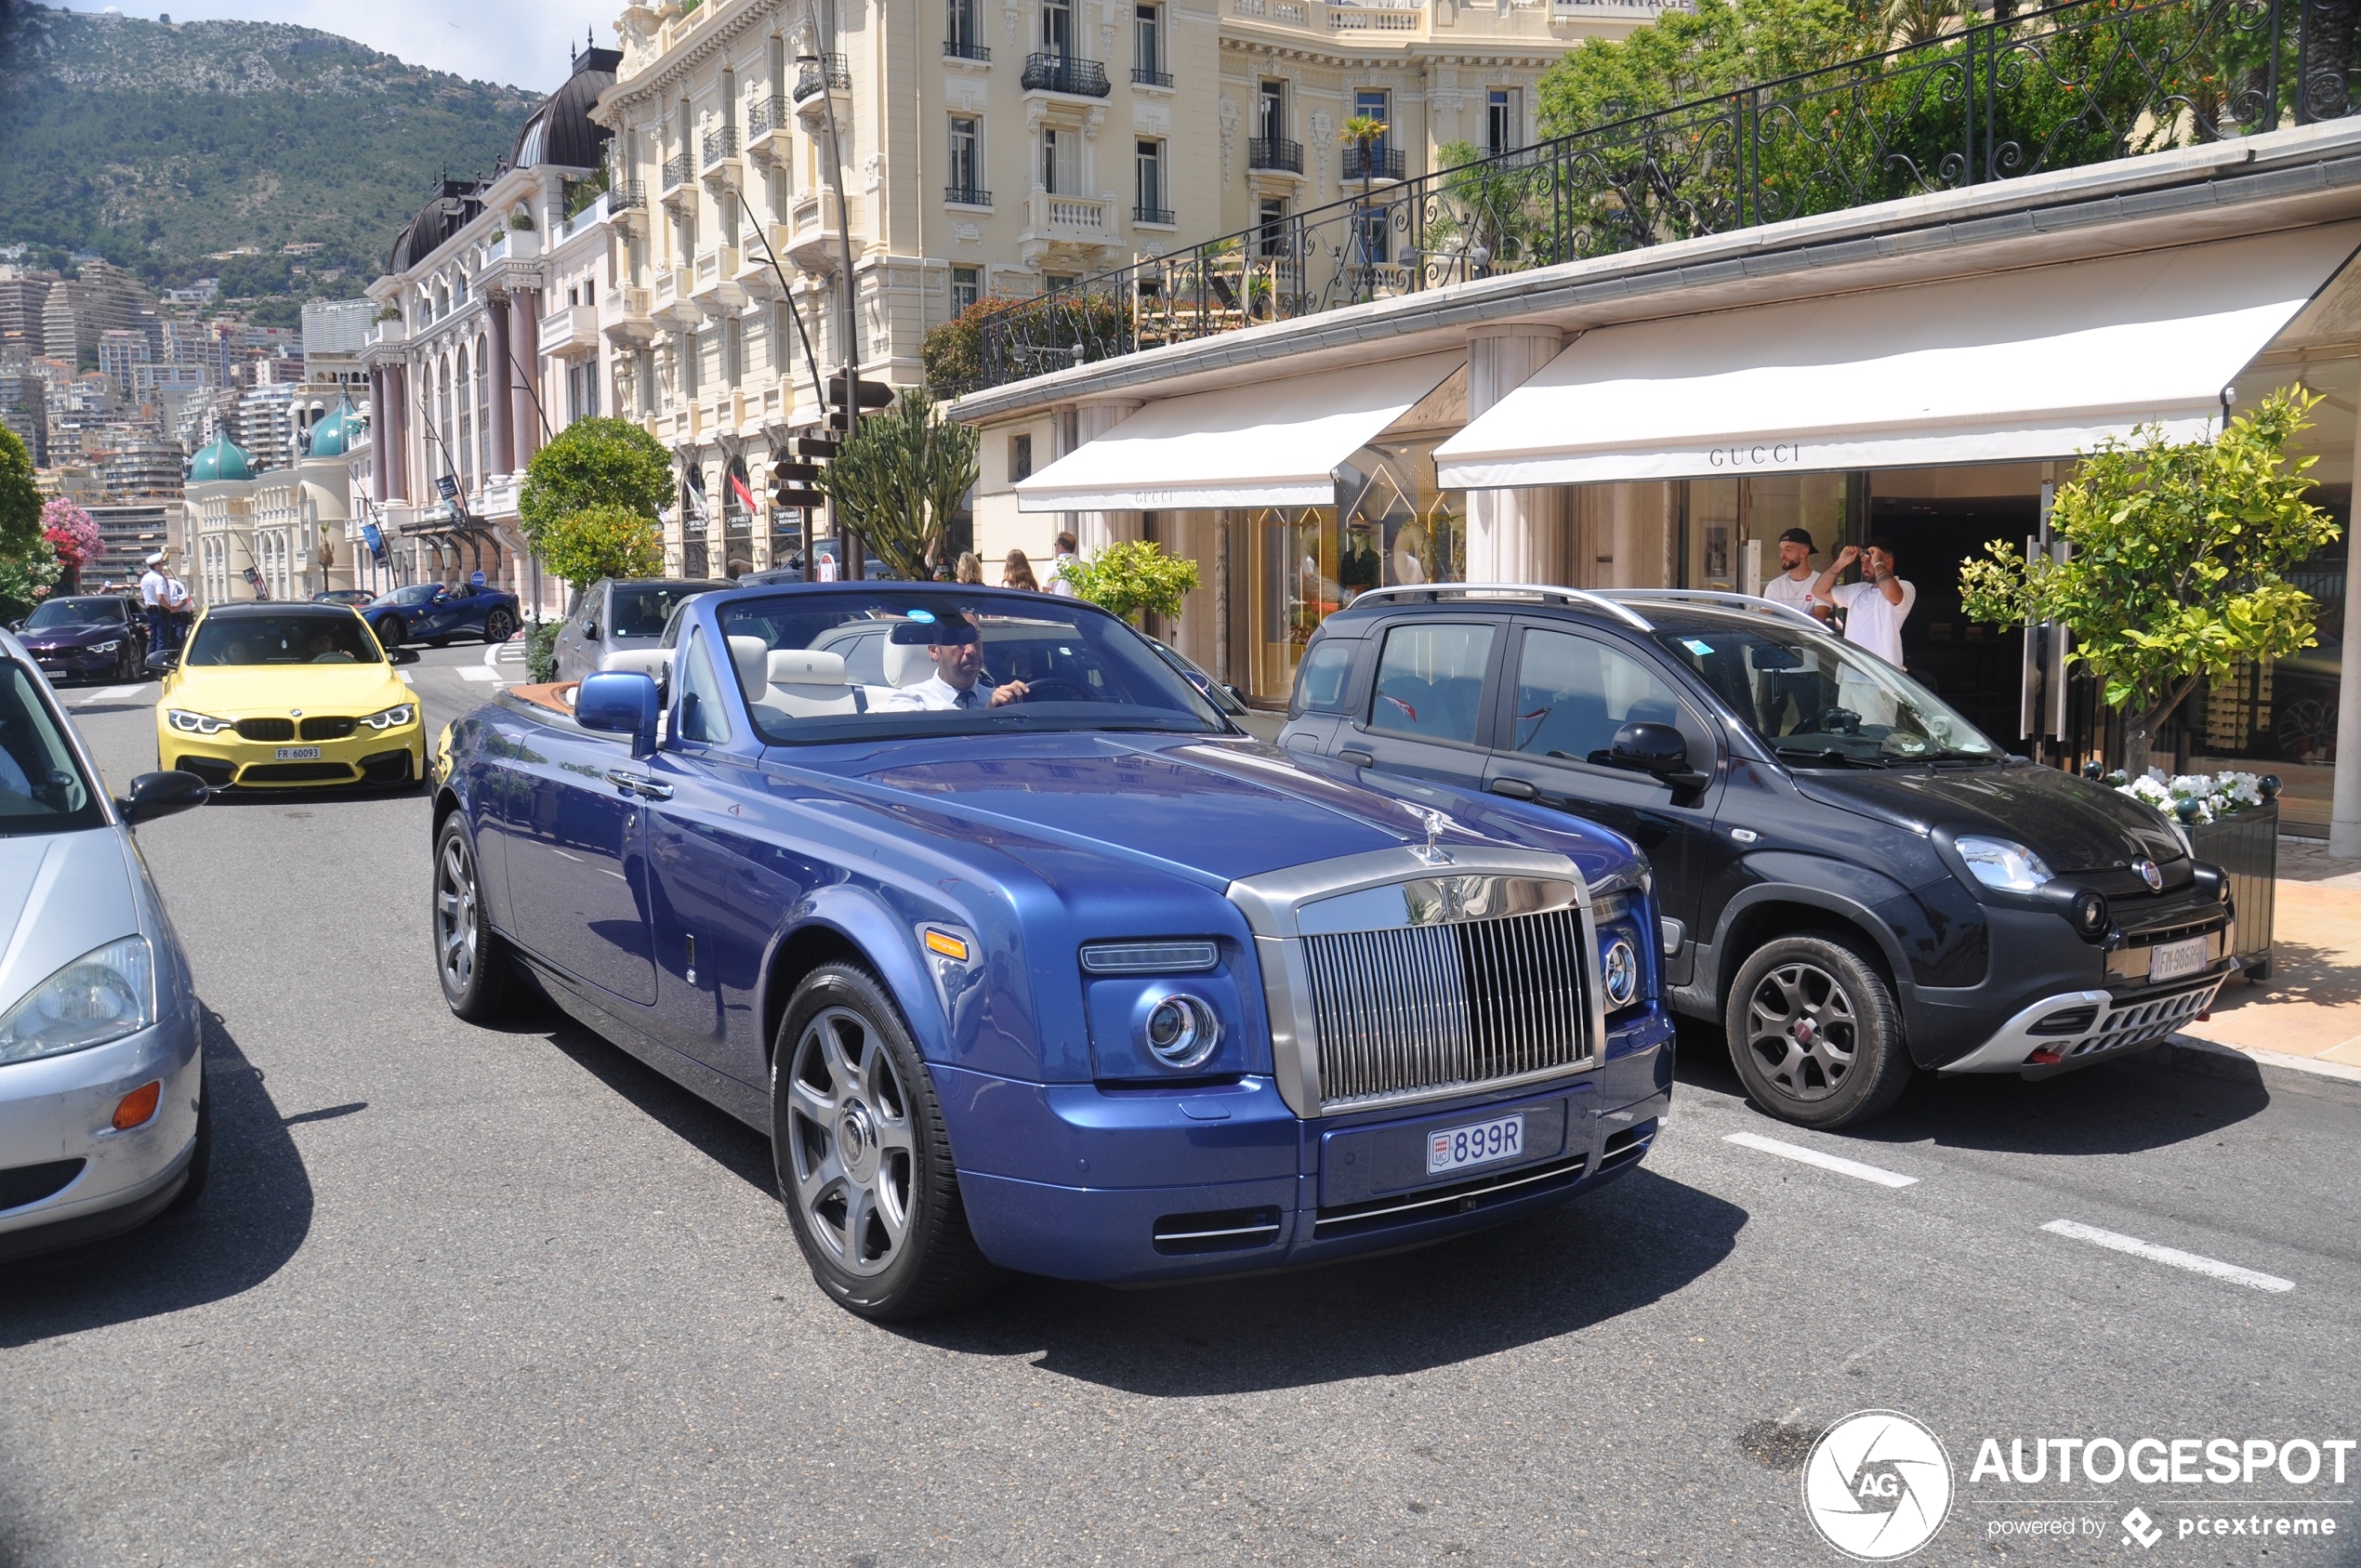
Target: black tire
(499, 625)
(201, 1158)
(393, 632)
(470, 960)
(1814, 1033)
(857, 1139)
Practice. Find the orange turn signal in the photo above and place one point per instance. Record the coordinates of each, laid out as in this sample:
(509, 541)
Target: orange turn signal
(139, 1107)
(946, 945)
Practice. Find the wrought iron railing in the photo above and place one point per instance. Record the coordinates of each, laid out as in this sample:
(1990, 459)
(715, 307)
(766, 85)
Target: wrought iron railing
(1149, 76)
(2076, 84)
(1378, 163)
(830, 68)
(962, 49)
(676, 171)
(1064, 73)
(765, 115)
(1275, 152)
(720, 143)
(1152, 215)
(967, 195)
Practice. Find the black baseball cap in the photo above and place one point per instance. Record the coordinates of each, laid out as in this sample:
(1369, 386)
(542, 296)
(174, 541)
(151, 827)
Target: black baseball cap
(1798, 536)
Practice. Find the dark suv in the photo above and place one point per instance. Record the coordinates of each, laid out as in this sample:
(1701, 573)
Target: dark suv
(1853, 881)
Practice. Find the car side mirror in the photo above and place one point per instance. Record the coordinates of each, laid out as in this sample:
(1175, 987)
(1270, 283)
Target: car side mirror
(620, 703)
(160, 794)
(163, 660)
(591, 631)
(402, 655)
(1649, 748)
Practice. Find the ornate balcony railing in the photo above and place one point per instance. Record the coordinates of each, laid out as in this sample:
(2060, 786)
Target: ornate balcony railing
(1275, 152)
(676, 171)
(964, 49)
(1152, 215)
(1149, 76)
(1064, 73)
(967, 195)
(2081, 83)
(720, 144)
(1378, 163)
(811, 74)
(767, 114)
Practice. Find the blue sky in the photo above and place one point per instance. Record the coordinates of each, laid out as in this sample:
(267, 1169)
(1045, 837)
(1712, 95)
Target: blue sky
(518, 41)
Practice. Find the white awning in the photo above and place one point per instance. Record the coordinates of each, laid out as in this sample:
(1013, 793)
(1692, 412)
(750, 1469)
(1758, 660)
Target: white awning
(1272, 443)
(2038, 363)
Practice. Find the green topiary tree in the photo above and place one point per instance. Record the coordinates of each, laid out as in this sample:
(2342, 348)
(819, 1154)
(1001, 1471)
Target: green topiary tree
(2180, 557)
(898, 478)
(1130, 576)
(594, 463)
(602, 541)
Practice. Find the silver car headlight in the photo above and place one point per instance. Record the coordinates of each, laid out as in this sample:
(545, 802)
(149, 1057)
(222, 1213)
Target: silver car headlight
(106, 647)
(1998, 862)
(392, 717)
(190, 723)
(108, 993)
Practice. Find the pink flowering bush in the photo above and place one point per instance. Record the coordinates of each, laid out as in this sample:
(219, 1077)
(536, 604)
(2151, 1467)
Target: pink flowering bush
(69, 530)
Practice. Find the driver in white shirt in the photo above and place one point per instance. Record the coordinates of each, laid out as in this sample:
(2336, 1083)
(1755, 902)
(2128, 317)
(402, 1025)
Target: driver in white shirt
(958, 680)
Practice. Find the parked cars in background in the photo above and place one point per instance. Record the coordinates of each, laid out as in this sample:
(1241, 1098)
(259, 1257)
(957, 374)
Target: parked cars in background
(104, 1118)
(433, 612)
(287, 696)
(356, 597)
(1854, 882)
(94, 637)
(1254, 721)
(621, 616)
(1072, 977)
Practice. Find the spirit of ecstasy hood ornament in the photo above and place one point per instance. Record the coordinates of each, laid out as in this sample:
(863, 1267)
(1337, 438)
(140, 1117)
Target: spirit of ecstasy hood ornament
(1431, 852)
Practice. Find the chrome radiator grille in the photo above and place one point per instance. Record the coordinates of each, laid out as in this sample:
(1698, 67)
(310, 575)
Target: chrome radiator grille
(1426, 1007)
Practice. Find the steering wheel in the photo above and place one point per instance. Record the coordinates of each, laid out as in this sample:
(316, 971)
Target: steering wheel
(1838, 721)
(1057, 689)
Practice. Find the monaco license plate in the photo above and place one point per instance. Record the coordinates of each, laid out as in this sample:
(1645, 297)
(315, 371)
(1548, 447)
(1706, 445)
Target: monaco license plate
(1475, 1144)
(298, 754)
(2171, 960)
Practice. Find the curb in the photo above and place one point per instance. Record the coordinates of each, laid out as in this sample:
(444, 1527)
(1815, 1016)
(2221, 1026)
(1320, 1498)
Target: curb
(2292, 1075)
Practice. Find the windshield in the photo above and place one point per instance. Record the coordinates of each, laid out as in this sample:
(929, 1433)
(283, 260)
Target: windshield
(41, 786)
(642, 608)
(920, 661)
(418, 593)
(74, 612)
(298, 638)
(1820, 702)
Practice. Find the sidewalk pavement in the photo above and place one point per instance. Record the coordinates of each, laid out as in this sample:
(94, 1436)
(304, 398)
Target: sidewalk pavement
(2308, 1014)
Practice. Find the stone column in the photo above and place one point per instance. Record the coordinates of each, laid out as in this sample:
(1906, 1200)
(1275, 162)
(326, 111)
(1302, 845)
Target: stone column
(2344, 810)
(393, 434)
(1094, 532)
(1514, 535)
(378, 440)
(502, 412)
(524, 348)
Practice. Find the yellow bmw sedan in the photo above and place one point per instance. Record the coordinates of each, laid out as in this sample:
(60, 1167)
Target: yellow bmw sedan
(287, 696)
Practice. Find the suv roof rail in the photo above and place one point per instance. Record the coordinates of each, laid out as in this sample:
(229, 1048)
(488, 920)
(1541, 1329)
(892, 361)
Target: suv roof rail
(1726, 600)
(1581, 596)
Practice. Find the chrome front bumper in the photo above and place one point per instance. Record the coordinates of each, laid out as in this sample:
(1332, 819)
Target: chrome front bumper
(2116, 1024)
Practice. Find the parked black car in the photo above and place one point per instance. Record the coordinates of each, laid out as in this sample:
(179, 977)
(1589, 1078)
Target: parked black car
(1854, 882)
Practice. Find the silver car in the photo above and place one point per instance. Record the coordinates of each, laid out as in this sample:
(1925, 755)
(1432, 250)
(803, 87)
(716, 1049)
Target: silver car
(621, 616)
(103, 1111)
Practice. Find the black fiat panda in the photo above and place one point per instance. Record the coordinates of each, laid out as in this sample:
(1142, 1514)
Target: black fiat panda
(1853, 881)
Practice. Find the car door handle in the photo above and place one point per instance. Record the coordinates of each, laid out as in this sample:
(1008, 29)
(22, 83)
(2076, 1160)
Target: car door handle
(1515, 789)
(653, 790)
(1354, 755)
(624, 778)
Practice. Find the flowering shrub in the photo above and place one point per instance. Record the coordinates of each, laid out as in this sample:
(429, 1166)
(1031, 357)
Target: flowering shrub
(2193, 798)
(69, 528)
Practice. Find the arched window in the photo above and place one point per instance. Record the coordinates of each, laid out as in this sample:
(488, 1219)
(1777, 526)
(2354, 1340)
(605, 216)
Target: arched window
(465, 451)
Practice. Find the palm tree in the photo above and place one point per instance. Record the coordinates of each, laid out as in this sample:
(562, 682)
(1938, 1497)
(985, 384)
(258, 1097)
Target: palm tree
(1923, 21)
(1363, 132)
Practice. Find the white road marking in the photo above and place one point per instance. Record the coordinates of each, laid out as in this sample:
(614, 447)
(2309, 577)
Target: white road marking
(407, 679)
(1842, 1167)
(477, 672)
(108, 694)
(492, 654)
(2212, 1268)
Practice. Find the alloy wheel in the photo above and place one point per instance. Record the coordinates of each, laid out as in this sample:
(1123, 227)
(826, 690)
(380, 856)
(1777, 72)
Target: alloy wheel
(855, 1153)
(497, 626)
(456, 916)
(1802, 1030)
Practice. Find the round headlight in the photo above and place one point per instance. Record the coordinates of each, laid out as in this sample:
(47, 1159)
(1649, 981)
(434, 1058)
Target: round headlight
(2089, 913)
(1178, 1030)
(1621, 970)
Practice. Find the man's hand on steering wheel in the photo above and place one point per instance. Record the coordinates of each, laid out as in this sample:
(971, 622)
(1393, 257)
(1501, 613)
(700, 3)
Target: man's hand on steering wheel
(1008, 692)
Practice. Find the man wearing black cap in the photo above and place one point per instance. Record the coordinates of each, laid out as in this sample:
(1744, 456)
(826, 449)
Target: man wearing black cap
(958, 681)
(1792, 586)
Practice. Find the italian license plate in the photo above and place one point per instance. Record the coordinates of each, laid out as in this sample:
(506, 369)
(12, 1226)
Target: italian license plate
(298, 754)
(1478, 1143)
(2171, 960)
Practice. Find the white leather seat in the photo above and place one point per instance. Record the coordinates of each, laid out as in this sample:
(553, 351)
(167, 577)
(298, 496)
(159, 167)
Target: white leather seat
(802, 682)
(907, 663)
(751, 655)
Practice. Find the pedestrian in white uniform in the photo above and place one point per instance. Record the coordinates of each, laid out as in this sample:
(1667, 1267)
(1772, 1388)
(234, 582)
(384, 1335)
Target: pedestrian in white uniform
(153, 587)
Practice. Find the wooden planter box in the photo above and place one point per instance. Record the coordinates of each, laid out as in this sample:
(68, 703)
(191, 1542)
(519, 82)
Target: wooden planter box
(2247, 846)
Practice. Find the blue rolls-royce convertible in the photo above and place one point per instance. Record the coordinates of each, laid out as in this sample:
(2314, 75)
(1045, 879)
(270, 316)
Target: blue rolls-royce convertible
(1026, 958)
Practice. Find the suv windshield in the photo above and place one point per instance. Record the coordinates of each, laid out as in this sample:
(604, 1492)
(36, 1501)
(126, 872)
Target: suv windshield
(1817, 701)
(642, 608)
(74, 612)
(295, 637)
(920, 661)
(42, 786)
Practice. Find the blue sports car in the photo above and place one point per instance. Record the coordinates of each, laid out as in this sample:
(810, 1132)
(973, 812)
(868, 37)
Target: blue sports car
(434, 613)
(1026, 958)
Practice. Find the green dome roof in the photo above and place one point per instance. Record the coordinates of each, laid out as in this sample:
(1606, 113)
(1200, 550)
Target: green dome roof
(223, 459)
(333, 432)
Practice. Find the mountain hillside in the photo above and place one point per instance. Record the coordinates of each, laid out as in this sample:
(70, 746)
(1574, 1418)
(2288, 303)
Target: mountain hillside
(159, 144)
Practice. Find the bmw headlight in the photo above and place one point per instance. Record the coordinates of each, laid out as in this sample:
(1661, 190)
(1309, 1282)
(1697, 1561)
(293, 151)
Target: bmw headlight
(114, 647)
(392, 717)
(190, 723)
(1998, 864)
(105, 995)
